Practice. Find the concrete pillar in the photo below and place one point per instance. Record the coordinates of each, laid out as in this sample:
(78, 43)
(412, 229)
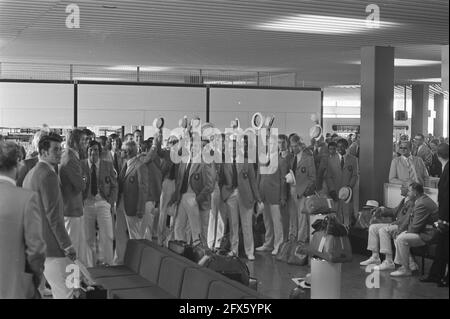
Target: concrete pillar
(377, 102)
(419, 116)
(439, 119)
(444, 70)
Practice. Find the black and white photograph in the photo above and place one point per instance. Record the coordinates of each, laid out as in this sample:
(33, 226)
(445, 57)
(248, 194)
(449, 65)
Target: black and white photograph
(216, 151)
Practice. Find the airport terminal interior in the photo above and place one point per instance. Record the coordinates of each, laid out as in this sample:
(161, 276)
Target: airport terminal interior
(215, 149)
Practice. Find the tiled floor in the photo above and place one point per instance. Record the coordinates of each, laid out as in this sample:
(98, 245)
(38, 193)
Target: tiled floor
(274, 280)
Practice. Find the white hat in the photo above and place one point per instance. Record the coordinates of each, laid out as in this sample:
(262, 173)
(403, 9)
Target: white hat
(345, 194)
(371, 204)
(315, 132)
(158, 123)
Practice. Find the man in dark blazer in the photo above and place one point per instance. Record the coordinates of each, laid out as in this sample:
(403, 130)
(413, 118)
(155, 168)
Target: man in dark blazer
(437, 271)
(240, 192)
(410, 231)
(422, 150)
(285, 159)
(193, 188)
(45, 182)
(72, 186)
(303, 184)
(342, 170)
(22, 246)
(273, 191)
(98, 196)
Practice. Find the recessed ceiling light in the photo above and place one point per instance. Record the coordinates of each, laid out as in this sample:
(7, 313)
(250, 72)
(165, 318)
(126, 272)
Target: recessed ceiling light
(408, 62)
(307, 23)
(435, 80)
(133, 68)
(106, 6)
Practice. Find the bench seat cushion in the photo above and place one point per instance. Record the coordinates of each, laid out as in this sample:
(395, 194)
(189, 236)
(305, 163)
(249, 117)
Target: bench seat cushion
(111, 271)
(124, 282)
(152, 292)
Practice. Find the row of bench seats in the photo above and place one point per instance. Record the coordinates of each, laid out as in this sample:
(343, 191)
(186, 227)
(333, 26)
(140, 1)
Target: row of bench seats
(154, 272)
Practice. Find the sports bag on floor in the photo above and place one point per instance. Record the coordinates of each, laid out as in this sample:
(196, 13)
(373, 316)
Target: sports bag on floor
(315, 204)
(230, 266)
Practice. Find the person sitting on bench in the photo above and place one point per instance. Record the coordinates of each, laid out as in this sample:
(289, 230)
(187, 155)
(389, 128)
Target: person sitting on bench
(381, 232)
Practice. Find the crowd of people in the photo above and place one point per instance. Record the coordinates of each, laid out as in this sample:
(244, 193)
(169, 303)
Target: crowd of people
(81, 197)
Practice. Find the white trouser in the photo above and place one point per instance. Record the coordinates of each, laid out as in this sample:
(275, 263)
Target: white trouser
(121, 234)
(55, 273)
(403, 243)
(238, 212)
(188, 211)
(75, 229)
(298, 221)
(99, 210)
(217, 209)
(140, 228)
(274, 228)
(168, 188)
(380, 237)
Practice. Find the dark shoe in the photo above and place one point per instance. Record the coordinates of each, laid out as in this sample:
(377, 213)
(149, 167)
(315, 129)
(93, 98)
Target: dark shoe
(443, 283)
(429, 279)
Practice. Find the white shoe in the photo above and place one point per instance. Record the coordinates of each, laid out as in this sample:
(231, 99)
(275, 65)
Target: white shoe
(385, 265)
(251, 257)
(275, 252)
(401, 273)
(263, 248)
(370, 261)
(413, 266)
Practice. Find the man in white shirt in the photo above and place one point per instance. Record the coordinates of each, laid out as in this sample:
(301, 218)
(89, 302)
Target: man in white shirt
(99, 195)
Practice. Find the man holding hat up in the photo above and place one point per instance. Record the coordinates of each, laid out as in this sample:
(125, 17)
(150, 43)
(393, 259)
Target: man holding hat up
(341, 178)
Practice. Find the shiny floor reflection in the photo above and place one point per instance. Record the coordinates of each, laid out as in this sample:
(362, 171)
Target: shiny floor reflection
(274, 280)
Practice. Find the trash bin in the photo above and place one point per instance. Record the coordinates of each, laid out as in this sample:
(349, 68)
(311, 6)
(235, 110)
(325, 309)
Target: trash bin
(325, 279)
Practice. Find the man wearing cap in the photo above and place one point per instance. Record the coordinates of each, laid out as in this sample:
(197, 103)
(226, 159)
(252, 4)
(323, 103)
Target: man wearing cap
(341, 176)
(382, 230)
(303, 183)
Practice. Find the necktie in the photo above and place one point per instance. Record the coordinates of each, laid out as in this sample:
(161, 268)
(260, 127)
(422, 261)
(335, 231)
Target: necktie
(294, 166)
(235, 176)
(122, 177)
(184, 185)
(342, 162)
(116, 163)
(94, 186)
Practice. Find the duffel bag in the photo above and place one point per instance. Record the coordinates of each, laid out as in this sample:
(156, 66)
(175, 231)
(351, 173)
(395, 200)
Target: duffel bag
(285, 250)
(298, 255)
(335, 249)
(192, 252)
(319, 205)
(230, 266)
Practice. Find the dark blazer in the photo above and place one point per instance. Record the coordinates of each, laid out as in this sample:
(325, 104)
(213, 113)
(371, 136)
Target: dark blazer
(273, 187)
(202, 177)
(425, 154)
(28, 165)
(22, 247)
(443, 194)
(134, 185)
(107, 182)
(436, 167)
(248, 191)
(44, 181)
(72, 184)
(153, 163)
(337, 178)
(425, 212)
(305, 173)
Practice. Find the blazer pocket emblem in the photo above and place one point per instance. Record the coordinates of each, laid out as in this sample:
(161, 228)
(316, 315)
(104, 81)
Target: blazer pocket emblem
(303, 169)
(107, 180)
(196, 176)
(132, 179)
(245, 175)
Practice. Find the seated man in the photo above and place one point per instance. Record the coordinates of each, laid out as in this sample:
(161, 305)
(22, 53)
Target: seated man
(425, 213)
(406, 168)
(381, 234)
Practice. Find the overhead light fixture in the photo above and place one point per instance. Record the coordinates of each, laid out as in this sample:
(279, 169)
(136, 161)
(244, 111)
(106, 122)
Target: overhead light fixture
(88, 78)
(408, 62)
(133, 68)
(230, 82)
(108, 6)
(434, 80)
(307, 23)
